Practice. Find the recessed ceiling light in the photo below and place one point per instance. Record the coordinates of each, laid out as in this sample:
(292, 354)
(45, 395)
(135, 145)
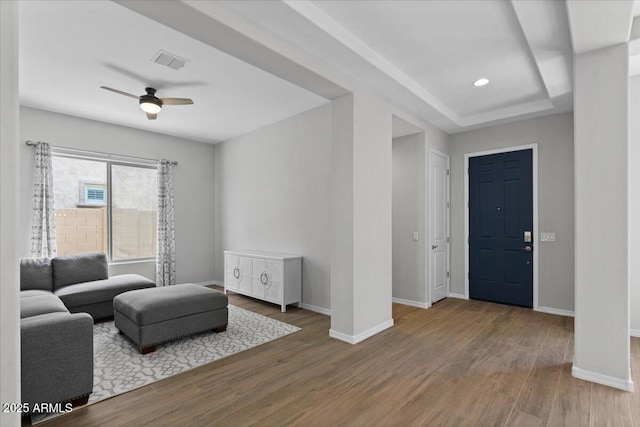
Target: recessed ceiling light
(481, 82)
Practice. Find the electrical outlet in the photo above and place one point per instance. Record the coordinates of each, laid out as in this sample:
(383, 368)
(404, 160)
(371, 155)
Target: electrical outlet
(547, 237)
(415, 236)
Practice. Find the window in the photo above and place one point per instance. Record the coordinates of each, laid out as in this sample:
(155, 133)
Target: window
(94, 193)
(105, 206)
(134, 212)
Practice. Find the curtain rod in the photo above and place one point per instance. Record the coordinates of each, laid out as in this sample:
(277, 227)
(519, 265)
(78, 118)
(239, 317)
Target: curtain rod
(33, 144)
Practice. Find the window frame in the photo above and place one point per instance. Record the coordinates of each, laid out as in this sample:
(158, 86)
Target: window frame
(109, 162)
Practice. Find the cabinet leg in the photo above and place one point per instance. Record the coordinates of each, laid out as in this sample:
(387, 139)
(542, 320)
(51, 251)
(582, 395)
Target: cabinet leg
(283, 308)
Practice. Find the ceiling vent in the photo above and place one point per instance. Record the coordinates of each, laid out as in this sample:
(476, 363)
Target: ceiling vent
(169, 59)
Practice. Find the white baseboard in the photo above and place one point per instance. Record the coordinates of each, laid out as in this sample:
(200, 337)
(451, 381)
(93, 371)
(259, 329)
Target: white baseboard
(205, 283)
(410, 302)
(635, 333)
(309, 307)
(454, 295)
(355, 339)
(317, 309)
(558, 311)
(619, 383)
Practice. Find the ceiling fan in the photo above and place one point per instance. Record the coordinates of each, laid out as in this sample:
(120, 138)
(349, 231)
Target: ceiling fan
(150, 103)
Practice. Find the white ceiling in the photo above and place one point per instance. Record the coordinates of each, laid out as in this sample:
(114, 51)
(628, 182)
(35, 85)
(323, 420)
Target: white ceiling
(445, 46)
(423, 56)
(68, 49)
(436, 50)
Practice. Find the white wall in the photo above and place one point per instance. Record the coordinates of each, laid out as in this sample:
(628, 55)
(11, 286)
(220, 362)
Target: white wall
(9, 213)
(601, 122)
(361, 244)
(193, 182)
(273, 193)
(437, 139)
(408, 217)
(342, 294)
(634, 202)
(372, 224)
(554, 135)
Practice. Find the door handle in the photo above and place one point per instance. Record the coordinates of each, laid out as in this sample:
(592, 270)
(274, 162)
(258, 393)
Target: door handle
(434, 246)
(527, 248)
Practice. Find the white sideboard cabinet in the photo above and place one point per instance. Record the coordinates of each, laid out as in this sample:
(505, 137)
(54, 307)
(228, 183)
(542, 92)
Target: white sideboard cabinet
(268, 276)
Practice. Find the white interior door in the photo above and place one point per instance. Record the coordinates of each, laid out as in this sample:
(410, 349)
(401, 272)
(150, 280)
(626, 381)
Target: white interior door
(439, 226)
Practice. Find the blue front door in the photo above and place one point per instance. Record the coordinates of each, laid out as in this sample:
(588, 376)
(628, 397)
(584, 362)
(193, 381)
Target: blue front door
(501, 228)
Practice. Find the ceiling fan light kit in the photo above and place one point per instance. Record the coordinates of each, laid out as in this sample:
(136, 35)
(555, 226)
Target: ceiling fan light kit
(150, 103)
(150, 107)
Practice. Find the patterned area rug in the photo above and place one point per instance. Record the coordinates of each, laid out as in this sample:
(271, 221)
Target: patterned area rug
(119, 367)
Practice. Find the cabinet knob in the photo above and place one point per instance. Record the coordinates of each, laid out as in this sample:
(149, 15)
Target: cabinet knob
(264, 278)
(236, 273)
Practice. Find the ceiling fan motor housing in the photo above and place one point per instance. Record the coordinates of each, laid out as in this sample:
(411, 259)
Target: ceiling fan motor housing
(150, 97)
(149, 102)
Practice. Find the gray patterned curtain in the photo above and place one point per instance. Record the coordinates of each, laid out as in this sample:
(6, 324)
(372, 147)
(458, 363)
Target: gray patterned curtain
(43, 223)
(166, 260)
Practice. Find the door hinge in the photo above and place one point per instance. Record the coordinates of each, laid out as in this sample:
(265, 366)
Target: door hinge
(447, 171)
(447, 274)
(447, 240)
(447, 205)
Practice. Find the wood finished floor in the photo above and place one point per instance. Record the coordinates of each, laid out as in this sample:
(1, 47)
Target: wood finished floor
(460, 363)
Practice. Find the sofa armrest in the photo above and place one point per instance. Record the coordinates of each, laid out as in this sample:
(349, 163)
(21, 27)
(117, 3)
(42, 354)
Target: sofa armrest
(57, 357)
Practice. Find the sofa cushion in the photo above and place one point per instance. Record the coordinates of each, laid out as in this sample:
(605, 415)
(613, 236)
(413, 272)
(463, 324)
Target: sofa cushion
(98, 291)
(41, 304)
(72, 269)
(36, 273)
(33, 293)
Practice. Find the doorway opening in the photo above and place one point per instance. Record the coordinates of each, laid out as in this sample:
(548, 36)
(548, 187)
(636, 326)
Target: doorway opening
(408, 214)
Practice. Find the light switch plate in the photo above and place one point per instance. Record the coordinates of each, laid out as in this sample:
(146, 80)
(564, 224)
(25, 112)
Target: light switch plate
(415, 236)
(547, 237)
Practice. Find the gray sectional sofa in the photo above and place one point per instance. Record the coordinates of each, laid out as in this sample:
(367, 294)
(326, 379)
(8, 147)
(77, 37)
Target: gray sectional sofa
(82, 282)
(59, 300)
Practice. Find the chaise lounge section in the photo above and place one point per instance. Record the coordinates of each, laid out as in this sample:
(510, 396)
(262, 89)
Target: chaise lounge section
(83, 284)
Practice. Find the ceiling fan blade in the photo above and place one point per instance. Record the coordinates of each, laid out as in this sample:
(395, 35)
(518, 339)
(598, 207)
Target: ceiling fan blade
(151, 116)
(176, 101)
(120, 92)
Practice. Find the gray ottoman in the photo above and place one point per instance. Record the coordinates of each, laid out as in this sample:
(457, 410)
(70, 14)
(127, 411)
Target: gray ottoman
(156, 315)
